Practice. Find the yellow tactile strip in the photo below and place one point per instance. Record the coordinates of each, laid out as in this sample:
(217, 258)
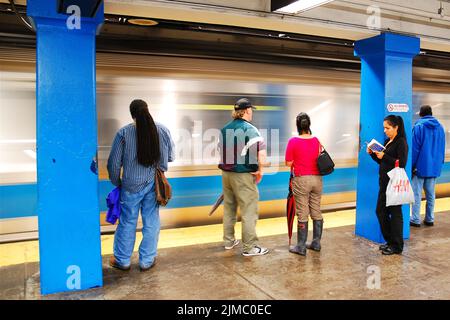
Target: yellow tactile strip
(28, 251)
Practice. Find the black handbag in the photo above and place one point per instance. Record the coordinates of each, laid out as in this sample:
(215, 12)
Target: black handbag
(324, 162)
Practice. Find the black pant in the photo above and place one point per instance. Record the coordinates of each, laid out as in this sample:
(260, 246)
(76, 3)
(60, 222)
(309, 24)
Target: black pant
(391, 221)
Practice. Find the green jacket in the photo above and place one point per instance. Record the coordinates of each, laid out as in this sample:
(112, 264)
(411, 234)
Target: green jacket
(239, 144)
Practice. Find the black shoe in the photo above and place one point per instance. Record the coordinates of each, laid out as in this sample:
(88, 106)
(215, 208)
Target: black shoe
(389, 251)
(383, 246)
(413, 224)
(429, 224)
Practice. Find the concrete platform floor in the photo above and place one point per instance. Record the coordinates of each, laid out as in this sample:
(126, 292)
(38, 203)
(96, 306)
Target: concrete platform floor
(206, 271)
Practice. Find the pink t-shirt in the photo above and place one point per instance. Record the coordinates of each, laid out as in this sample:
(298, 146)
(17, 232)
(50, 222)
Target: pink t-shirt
(304, 153)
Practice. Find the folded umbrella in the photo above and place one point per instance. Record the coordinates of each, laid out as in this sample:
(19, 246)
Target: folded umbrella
(216, 204)
(290, 208)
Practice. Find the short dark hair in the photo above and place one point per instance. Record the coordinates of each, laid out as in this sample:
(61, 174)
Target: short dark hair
(425, 111)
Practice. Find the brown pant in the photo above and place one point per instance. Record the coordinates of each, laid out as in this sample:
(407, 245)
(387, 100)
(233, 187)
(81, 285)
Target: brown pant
(307, 194)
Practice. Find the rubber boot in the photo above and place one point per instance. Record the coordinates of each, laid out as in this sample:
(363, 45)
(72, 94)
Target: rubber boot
(317, 235)
(302, 234)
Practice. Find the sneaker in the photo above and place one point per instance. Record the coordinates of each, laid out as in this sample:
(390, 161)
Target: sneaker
(413, 224)
(235, 243)
(429, 224)
(113, 263)
(255, 251)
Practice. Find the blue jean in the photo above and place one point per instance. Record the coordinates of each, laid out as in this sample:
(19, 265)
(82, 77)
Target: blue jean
(125, 235)
(418, 184)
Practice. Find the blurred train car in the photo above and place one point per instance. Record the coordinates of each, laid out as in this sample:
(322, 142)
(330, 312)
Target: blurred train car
(194, 99)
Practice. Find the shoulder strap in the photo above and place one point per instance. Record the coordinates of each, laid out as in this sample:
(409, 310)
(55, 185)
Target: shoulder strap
(321, 147)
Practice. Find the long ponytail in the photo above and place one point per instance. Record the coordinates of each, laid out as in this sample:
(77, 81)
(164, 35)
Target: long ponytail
(397, 121)
(148, 149)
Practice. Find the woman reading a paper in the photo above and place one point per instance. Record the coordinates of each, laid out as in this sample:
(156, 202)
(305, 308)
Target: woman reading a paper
(395, 148)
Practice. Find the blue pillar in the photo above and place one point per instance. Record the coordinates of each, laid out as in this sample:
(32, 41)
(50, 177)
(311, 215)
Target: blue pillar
(386, 88)
(68, 209)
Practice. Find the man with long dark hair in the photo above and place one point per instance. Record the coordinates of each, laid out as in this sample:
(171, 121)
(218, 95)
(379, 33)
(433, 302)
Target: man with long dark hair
(138, 148)
(428, 156)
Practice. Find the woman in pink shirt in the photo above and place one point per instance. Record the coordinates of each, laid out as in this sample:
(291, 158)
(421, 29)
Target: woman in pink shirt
(301, 154)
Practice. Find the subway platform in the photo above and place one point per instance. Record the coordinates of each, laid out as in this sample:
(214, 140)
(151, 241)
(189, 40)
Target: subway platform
(193, 265)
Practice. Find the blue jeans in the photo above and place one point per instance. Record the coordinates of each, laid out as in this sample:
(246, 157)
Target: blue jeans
(418, 184)
(125, 235)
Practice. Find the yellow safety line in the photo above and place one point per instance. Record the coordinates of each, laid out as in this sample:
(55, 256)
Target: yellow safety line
(28, 251)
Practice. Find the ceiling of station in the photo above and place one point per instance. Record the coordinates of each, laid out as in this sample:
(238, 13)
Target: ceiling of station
(345, 19)
(341, 19)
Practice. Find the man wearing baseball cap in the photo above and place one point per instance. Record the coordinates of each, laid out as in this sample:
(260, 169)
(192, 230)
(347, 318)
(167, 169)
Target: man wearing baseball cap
(243, 152)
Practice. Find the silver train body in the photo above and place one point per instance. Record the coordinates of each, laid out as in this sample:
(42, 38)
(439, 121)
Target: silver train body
(194, 98)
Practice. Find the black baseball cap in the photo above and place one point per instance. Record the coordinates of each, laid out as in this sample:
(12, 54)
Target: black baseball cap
(242, 104)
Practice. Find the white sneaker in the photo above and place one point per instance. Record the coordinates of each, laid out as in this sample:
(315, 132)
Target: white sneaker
(256, 251)
(235, 243)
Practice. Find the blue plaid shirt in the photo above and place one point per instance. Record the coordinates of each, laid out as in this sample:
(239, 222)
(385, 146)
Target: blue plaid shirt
(135, 176)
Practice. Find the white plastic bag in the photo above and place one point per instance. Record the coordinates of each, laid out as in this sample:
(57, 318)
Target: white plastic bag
(399, 189)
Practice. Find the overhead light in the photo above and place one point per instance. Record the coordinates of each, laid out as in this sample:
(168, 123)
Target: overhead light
(143, 22)
(301, 5)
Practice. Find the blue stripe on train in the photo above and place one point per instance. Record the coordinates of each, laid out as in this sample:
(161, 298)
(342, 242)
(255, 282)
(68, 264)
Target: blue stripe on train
(18, 200)
(21, 200)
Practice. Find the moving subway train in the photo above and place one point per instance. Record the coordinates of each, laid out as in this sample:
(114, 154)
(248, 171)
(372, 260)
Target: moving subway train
(194, 98)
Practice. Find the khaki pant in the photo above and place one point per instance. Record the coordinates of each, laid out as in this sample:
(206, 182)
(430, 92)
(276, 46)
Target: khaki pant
(307, 194)
(239, 189)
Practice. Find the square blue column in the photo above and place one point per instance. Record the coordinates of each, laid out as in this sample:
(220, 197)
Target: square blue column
(386, 88)
(68, 208)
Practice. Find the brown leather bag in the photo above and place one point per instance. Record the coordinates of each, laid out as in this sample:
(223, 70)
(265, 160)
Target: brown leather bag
(163, 189)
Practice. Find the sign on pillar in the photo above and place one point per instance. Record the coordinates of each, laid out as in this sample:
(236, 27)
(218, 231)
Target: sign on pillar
(386, 88)
(68, 209)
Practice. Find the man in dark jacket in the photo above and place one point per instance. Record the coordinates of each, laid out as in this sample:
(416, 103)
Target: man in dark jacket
(428, 156)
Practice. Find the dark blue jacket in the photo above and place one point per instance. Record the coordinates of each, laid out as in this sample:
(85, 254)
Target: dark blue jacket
(428, 147)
